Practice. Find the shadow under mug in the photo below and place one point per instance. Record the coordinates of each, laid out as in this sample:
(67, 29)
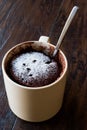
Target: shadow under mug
(35, 104)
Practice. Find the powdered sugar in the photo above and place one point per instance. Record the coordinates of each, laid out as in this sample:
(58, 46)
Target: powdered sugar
(34, 67)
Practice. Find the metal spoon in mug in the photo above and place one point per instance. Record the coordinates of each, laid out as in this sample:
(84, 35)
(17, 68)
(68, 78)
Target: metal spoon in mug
(68, 22)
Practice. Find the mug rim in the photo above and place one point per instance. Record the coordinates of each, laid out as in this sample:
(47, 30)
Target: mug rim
(34, 88)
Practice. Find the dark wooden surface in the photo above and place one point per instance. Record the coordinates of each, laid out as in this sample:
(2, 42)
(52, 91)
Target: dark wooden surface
(22, 20)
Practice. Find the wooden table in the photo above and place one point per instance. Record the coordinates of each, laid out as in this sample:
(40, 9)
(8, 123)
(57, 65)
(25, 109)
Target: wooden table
(22, 20)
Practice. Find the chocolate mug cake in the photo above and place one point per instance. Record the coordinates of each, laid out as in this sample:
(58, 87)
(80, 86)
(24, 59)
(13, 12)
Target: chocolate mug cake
(34, 69)
(34, 81)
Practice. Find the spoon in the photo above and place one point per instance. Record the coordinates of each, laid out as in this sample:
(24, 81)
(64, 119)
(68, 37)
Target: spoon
(65, 28)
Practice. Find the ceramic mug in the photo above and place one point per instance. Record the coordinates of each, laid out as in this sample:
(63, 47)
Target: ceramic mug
(35, 104)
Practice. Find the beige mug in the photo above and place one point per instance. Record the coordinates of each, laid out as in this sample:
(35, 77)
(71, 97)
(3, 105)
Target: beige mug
(35, 104)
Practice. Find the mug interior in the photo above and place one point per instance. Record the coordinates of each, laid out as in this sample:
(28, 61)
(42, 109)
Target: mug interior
(46, 48)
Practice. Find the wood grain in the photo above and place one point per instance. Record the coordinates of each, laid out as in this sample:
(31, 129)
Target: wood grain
(28, 20)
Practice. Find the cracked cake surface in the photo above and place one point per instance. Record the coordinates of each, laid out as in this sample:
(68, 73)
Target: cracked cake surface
(34, 69)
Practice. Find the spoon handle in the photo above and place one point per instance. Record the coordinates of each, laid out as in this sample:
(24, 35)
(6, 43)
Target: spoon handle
(68, 22)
